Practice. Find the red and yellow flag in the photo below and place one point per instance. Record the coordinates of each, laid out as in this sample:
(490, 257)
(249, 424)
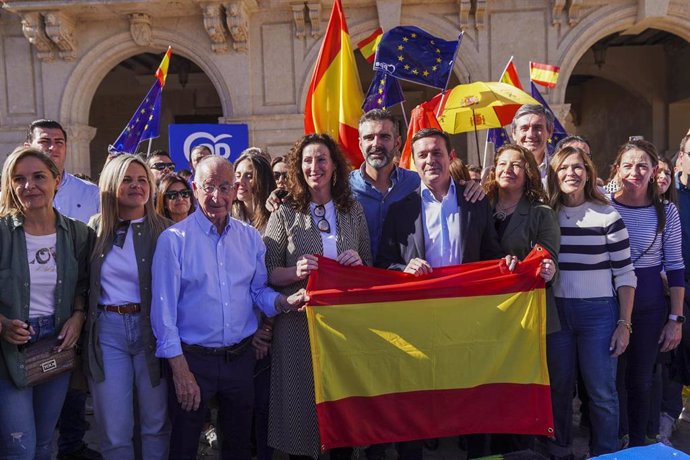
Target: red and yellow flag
(544, 74)
(335, 97)
(459, 351)
(510, 75)
(162, 70)
(368, 46)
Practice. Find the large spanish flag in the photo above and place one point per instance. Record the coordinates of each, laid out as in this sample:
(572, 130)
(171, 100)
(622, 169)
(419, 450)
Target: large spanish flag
(334, 100)
(459, 351)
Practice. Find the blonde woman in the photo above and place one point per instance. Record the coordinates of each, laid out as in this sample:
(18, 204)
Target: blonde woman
(119, 351)
(44, 278)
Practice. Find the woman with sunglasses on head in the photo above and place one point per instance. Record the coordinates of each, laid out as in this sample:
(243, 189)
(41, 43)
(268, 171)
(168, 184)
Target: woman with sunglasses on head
(322, 218)
(44, 278)
(655, 245)
(175, 199)
(280, 172)
(119, 348)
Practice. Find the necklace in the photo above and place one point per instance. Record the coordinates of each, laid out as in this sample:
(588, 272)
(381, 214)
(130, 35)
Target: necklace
(503, 212)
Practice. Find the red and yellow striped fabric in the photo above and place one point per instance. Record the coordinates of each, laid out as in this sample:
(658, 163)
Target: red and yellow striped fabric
(544, 74)
(334, 100)
(510, 75)
(459, 351)
(368, 46)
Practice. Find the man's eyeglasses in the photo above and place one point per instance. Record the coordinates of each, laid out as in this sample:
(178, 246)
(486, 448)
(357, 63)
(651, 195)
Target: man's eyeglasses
(322, 224)
(223, 189)
(278, 175)
(162, 166)
(175, 193)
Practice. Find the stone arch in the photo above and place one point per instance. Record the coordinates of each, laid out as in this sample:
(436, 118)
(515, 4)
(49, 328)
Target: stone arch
(97, 62)
(606, 21)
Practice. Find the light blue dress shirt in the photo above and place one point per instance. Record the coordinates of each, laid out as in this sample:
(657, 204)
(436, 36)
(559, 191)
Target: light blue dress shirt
(77, 198)
(205, 285)
(441, 227)
(375, 203)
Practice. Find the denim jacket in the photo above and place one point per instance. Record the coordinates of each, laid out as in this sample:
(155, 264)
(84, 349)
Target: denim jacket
(144, 246)
(73, 246)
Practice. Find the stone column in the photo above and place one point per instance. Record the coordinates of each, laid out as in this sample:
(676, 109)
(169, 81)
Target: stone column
(79, 138)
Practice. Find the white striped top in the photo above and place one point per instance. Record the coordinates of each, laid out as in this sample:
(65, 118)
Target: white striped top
(646, 251)
(594, 259)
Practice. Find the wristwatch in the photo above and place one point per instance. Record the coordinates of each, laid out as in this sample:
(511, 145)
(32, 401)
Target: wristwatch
(677, 318)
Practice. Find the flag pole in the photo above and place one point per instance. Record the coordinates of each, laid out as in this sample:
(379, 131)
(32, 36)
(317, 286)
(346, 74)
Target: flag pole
(476, 137)
(148, 152)
(402, 106)
(445, 88)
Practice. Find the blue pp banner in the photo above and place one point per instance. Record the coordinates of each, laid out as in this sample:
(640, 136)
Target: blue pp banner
(225, 140)
(655, 451)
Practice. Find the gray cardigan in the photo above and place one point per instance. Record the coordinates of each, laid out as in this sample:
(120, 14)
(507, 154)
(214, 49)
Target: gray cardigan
(144, 247)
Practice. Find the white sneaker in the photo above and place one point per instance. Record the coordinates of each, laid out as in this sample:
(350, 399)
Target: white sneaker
(666, 425)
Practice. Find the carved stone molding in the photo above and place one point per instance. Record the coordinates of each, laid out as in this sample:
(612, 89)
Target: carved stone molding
(298, 16)
(60, 29)
(468, 9)
(215, 27)
(237, 18)
(140, 29)
(80, 137)
(314, 10)
(557, 7)
(574, 8)
(34, 30)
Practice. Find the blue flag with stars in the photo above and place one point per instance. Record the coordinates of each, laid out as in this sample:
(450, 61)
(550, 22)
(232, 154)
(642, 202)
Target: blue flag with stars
(144, 125)
(410, 53)
(558, 129)
(384, 91)
(498, 136)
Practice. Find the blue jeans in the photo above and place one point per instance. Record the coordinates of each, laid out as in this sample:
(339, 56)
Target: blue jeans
(28, 416)
(583, 342)
(124, 363)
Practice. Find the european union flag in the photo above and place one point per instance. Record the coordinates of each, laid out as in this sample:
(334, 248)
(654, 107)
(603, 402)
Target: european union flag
(559, 131)
(410, 53)
(384, 91)
(498, 136)
(145, 123)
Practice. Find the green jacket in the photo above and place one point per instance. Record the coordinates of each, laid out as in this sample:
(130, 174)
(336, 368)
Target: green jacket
(73, 246)
(144, 247)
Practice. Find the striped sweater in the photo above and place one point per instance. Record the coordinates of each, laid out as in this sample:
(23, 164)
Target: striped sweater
(649, 248)
(595, 252)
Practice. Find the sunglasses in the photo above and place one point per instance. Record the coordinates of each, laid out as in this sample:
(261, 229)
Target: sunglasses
(279, 175)
(181, 193)
(162, 166)
(322, 224)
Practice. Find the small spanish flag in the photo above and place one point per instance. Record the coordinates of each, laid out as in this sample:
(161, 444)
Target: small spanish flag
(510, 75)
(544, 74)
(368, 46)
(458, 351)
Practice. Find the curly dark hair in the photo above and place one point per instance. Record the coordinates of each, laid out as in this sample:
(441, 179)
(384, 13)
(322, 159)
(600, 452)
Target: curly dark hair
(297, 184)
(533, 189)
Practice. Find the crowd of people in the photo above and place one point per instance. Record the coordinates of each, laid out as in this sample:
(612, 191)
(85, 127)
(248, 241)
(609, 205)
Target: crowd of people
(185, 293)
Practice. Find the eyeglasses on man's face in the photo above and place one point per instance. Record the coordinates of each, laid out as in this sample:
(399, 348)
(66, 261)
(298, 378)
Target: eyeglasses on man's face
(163, 166)
(224, 189)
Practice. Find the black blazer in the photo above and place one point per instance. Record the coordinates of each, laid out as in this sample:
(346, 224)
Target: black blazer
(402, 238)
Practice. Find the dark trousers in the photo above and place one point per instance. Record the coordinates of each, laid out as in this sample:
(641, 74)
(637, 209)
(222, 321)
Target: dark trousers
(231, 380)
(636, 365)
(72, 424)
(262, 387)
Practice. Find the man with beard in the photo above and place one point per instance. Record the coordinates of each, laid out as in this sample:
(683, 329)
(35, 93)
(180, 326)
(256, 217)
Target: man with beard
(379, 182)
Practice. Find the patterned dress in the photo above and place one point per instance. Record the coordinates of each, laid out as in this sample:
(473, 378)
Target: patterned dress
(292, 426)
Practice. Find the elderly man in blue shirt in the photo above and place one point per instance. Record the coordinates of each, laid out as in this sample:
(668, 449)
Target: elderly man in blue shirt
(208, 277)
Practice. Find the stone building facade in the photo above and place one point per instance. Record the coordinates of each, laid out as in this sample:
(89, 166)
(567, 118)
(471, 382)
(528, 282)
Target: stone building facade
(256, 57)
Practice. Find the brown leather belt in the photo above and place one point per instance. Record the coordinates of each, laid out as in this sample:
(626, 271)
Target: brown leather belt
(122, 309)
